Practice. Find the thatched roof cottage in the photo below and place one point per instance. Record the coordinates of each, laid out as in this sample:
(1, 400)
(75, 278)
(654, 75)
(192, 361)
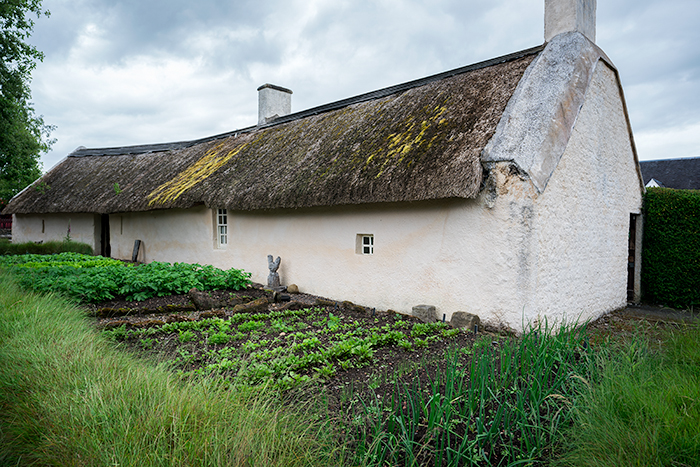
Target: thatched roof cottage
(506, 188)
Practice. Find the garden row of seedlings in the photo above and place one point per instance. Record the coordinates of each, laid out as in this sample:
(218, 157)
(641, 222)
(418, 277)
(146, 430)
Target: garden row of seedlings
(285, 347)
(500, 402)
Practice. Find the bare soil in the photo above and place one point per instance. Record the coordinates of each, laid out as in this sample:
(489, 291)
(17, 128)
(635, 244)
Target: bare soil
(391, 365)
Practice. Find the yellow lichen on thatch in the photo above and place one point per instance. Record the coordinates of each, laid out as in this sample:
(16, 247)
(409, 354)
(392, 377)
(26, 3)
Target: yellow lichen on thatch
(400, 144)
(212, 161)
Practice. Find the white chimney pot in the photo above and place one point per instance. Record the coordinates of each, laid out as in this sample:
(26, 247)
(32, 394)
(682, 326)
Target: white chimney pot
(569, 15)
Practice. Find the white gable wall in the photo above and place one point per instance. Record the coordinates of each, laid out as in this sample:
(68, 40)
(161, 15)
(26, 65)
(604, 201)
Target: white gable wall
(583, 215)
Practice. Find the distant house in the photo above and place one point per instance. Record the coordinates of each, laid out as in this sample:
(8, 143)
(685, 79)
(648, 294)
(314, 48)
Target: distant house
(681, 174)
(509, 188)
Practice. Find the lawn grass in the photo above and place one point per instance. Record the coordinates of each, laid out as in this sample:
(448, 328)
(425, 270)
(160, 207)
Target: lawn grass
(68, 397)
(645, 410)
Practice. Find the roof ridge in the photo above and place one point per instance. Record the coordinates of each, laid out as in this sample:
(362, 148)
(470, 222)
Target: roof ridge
(672, 159)
(368, 96)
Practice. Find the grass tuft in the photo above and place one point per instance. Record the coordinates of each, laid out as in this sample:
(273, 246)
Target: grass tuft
(502, 402)
(68, 397)
(646, 408)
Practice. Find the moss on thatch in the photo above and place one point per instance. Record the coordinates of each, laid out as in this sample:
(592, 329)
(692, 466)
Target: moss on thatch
(421, 143)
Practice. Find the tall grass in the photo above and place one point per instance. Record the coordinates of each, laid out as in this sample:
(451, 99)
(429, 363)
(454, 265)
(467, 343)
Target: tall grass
(500, 403)
(46, 248)
(69, 398)
(646, 408)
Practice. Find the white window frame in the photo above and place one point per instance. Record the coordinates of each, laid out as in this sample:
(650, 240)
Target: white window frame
(364, 244)
(221, 228)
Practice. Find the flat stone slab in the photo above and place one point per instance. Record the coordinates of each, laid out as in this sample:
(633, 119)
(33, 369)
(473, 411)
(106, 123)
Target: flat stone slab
(657, 313)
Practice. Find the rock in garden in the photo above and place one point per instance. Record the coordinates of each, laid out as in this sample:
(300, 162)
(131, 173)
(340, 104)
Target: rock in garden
(348, 305)
(293, 305)
(212, 314)
(425, 313)
(324, 302)
(292, 288)
(203, 301)
(256, 305)
(464, 320)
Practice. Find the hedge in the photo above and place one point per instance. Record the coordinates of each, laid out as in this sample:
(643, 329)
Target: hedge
(671, 247)
(46, 248)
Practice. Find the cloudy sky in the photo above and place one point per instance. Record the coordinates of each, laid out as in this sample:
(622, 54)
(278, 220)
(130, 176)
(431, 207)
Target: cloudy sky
(148, 71)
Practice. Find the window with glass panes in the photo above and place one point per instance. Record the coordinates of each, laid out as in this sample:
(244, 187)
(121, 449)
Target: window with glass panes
(222, 227)
(368, 244)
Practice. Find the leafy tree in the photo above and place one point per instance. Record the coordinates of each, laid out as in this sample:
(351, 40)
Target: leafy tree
(23, 135)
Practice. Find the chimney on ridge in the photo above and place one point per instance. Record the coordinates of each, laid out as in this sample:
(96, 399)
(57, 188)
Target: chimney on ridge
(273, 102)
(569, 15)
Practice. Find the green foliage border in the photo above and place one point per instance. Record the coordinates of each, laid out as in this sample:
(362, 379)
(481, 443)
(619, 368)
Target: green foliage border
(671, 247)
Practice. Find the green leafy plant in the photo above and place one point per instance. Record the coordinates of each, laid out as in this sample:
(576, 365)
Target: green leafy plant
(93, 279)
(186, 336)
(218, 338)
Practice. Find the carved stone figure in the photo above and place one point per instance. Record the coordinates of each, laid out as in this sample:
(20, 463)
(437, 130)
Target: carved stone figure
(273, 279)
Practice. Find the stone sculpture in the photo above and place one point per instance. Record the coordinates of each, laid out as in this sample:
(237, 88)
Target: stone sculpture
(273, 279)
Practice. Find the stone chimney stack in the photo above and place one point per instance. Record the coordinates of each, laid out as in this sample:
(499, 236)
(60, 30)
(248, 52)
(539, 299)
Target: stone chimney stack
(569, 15)
(273, 102)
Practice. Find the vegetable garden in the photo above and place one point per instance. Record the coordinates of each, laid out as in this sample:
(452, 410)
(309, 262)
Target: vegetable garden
(393, 390)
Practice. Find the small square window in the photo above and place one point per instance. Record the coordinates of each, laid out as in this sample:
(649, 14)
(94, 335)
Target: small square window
(222, 228)
(364, 245)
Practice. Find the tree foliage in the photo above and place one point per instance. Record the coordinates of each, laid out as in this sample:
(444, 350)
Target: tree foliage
(23, 135)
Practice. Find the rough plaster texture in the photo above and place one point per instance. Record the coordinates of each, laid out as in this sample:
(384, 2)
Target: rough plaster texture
(175, 235)
(582, 219)
(273, 102)
(562, 16)
(84, 228)
(538, 121)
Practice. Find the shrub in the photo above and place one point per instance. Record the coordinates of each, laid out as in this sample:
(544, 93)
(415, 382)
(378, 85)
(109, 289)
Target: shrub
(671, 252)
(95, 279)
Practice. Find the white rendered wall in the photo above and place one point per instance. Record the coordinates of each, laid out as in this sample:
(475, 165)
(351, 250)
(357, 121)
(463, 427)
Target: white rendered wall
(174, 235)
(84, 228)
(583, 215)
(455, 254)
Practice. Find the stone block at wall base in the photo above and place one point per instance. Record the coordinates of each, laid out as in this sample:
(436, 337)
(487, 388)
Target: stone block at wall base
(425, 313)
(464, 320)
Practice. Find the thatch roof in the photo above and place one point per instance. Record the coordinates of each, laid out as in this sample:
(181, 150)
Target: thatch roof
(417, 141)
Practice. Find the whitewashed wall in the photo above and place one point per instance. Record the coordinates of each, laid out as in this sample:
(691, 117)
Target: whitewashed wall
(84, 228)
(582, 220)
(454, 254)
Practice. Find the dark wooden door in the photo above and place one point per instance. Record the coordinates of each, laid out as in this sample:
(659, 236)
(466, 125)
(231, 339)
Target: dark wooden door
(105, 248)
(631, 252)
